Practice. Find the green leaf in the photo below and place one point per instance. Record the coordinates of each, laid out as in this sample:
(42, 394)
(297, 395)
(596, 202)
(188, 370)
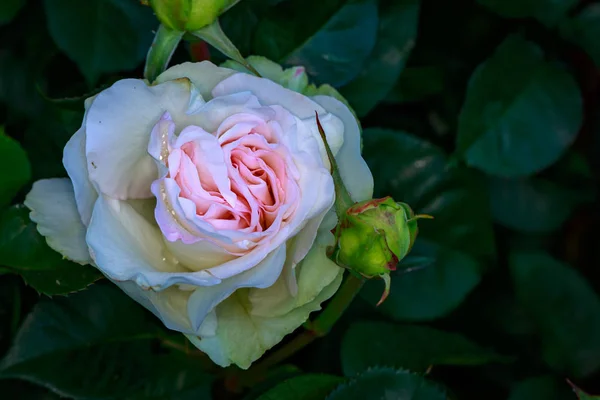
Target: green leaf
(584, 30)
(239, 22)
(521, 113)
(332, 39)
(305, 387)
(99, 344)
(18, 86)
(14, 163)
(101, 36)
(396, 37)
(10, 310)
(9, 9)
(565, 309)
(15, 389)
(387, 383)
(369, 344)
(273, 377)
(46, 137)
(542, 387)
(547, 11)
(25, 252)
(532, 205)
(429, 289)
(416, 172)
(416, 84)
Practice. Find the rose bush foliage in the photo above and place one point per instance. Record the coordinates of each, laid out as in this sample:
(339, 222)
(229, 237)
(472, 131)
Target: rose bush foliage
(207, 198)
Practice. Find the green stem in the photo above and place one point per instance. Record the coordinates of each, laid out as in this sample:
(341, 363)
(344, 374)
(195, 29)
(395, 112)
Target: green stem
(214, 35)
(160, 53)
(343, 201)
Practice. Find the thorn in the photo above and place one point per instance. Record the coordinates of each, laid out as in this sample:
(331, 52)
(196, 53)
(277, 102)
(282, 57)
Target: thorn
(388, 282)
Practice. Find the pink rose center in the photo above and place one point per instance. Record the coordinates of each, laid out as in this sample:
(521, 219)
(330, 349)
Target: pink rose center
(244, 187)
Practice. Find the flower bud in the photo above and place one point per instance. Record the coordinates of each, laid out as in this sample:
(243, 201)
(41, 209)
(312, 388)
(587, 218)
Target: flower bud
(374, 236)
(189, 15)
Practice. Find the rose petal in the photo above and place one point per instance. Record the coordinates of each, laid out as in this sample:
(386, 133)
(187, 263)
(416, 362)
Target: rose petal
(53, 208)
(242, 337)
(268, 93)
(76, 165)
(210, 115)
(204, 75)
(315, 272)
(118, 126)
(127, 247)
(168, 305)
(262, 275)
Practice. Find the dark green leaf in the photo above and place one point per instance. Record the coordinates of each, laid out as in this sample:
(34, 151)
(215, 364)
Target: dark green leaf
(45, 140)
(430, 290)
(532, 205)
(99, 344)
(25, 252)
(547, 11)
(543, 387)
(521, 113)
(15, 167)
(101, 36)
(18, 87)
(9, 9)
(309, 17)
(330, 38)
(15, 389)
(369, 344)
(584, 30)
(273, 377)
(396, 36)
(240, 21)
(416, 84)
(565, 309)
(10, 310)
(387, 383)
(305, 387)
(416, 172)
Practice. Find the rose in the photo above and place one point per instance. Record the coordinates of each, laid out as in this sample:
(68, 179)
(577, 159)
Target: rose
(206, 197)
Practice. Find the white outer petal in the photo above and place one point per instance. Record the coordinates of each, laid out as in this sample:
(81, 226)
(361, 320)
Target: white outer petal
(126, 247)
(263, 275)
(269, 93)
(204, 75)
(241, 337)
(118, 126)
(76, 165)
(168, 305)
(313, 274)
(53, 208)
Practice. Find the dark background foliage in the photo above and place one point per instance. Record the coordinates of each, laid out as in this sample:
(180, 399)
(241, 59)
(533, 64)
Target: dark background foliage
(484, 114)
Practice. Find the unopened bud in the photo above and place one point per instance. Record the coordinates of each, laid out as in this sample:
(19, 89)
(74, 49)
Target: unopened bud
(189, 15)
(374, 236)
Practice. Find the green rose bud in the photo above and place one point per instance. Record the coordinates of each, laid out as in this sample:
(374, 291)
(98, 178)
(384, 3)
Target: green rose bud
(189, 15)
(374, 236)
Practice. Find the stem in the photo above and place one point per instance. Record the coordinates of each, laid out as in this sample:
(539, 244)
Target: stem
(319, 327)
(160, 53)
(343, 201)
(214, 35)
